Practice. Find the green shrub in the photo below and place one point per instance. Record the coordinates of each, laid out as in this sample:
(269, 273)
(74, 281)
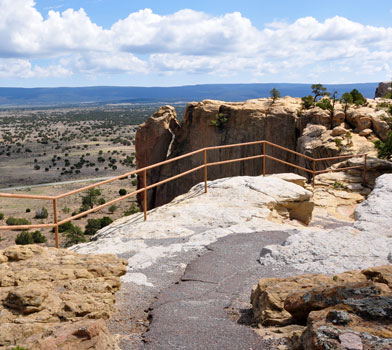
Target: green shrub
(24, 238)
(28, 210)
(384, 149)
(219, 121)
(65, 227)
(93, 225)
(17, 221)
(112, 208)
(73, 236)
(325, 104)
(41, 213)
(122, 192)
(1, 216)
(38, 237)
(339, 186)
(105, 221)
(338, 143)
(308, 102)
(132, 210)
(134, 182)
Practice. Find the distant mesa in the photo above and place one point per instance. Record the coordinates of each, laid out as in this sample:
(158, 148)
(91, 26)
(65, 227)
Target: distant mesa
(89, 96)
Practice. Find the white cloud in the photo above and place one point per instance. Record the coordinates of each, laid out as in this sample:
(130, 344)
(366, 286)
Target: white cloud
(186, 41)
(22, 68)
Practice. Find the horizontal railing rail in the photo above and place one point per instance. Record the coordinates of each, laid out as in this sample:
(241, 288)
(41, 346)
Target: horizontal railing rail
(144, 187)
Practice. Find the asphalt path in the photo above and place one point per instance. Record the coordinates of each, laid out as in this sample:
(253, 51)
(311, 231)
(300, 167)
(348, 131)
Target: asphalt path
(208, 306)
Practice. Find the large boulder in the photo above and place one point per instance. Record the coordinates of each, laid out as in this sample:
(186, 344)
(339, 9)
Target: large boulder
(45, 290)
(352, 310)
(269, 296)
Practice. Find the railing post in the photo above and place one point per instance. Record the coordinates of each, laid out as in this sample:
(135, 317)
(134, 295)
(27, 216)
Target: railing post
(264, 158)
(364, 169)
(56, 228)
(205, 171)
(145, 194)
(314, 172)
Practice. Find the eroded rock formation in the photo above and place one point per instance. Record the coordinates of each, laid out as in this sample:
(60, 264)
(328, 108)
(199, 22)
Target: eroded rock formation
(351, 307)
(57, 299)
(152, 144)
(315, 132)
(383, 89)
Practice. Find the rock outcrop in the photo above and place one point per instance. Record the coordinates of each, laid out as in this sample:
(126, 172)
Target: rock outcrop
(336, 311)
(57, 299)
(383, 89)
(247, 121)
(152, 144)
(314, 132)
(368, 242)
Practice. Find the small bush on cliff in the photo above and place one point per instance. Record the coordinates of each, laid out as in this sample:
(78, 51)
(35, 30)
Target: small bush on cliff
(353, 97)
(219, 121)
(384, 149)
(38, 237)
(325, 104)
(319, 91)
(275, 94)
(308, 102)
(122, 192)
(1, 216)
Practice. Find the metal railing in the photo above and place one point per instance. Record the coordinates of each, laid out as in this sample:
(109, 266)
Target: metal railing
(144, 188)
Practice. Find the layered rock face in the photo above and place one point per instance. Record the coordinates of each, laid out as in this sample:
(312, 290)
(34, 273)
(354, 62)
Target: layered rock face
(152, 144)
(314, 132)
(383, 89)
(352, 310)
(252, 120)
(57, 299)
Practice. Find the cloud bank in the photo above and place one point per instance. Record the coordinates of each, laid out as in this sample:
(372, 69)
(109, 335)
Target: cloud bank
(69, 43)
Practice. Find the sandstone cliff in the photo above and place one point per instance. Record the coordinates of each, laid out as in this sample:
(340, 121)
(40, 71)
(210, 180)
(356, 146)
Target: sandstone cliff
(383, 89)
(315, 132)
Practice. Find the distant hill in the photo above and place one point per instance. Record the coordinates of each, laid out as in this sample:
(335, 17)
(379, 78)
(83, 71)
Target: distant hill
(112, 94)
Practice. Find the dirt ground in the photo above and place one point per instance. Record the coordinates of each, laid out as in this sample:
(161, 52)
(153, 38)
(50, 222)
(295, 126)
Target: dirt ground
(66, 206)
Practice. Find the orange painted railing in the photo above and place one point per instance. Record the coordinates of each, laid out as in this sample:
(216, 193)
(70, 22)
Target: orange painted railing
(144, 188)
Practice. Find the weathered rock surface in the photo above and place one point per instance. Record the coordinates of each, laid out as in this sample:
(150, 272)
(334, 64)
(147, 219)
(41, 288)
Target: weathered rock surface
(246, 121)
(352, 310)
(44, 290)
(284, 122)
(367, 243)
(383, 89)
(196, 219)
(153, 140)
(269, 296)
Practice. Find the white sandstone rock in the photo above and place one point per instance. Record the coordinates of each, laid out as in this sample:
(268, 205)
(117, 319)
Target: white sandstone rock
(196, 219)
(368, 243)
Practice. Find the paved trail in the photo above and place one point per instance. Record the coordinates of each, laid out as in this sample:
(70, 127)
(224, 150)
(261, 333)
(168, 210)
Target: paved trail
(207, 307)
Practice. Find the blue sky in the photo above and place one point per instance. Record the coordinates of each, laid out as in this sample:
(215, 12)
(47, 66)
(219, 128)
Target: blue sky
(167, 43)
